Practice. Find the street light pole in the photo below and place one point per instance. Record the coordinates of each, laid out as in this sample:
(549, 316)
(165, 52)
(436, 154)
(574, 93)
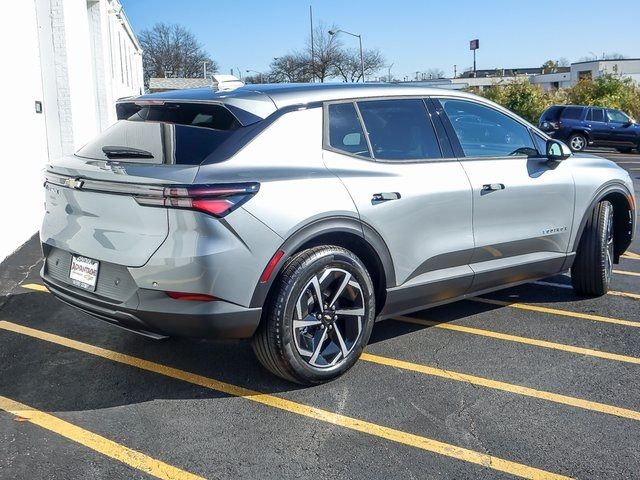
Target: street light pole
(335, 32)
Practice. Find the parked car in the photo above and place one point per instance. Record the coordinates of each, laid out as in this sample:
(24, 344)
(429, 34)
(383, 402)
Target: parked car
(297, 215)
(581, 126)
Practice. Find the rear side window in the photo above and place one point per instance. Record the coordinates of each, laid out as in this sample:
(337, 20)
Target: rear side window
(551, 114)
(486, 132)
(572, 113)
(165, 133)
(345, 131)
(596, 115)
(399, 129)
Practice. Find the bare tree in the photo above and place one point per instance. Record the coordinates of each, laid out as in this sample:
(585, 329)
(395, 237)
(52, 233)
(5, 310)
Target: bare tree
(434, 73)
(563, 62)
(349, 68)
(173, 49)
(327, 51)
(292, 67)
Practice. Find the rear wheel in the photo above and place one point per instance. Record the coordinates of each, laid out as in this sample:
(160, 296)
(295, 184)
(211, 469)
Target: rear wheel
(592, 269)
(577, 142)
(320, 316)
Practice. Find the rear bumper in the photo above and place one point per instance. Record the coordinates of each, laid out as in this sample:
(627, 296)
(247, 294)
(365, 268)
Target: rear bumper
(155, 315)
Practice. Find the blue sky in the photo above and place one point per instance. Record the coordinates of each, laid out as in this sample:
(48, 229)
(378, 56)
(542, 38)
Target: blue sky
(413, 35)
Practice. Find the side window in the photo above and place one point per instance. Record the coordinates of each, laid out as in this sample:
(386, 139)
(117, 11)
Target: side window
(399, 129)
(345, 131)
(572, 113)
(597, 115)
(616, 116)
(485, 132)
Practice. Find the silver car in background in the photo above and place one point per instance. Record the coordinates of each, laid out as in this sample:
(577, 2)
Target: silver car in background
(297, 215)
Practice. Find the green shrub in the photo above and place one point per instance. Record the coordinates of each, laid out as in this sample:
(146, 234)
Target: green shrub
(529, 101)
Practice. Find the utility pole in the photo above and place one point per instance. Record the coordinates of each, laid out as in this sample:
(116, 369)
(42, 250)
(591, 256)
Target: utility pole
(313, 55)
(204, 64)
(389, 73)
(455, 71)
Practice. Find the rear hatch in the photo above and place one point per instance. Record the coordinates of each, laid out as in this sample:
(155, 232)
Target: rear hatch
(102, 202)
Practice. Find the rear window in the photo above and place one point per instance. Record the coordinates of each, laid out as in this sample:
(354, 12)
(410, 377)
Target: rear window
(551, 113)
(572, 113)
(166, 133)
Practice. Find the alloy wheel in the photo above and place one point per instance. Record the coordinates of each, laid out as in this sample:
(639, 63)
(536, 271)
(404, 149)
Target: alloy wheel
(328, 316)
(577, 143)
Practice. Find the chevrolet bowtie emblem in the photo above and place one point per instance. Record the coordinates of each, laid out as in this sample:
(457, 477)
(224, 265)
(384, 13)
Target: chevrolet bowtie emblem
(74, 183)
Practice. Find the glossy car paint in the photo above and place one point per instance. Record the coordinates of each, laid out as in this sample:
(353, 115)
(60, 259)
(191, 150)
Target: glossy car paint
(443, 239)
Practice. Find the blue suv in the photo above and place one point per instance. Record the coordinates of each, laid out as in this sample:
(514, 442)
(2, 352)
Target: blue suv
(581, 126)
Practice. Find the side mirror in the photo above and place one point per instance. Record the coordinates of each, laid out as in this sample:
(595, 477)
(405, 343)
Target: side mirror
(627, 124)
(557, 151)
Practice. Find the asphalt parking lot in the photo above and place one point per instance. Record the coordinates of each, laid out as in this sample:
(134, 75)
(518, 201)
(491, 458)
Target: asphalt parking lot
(531, 382)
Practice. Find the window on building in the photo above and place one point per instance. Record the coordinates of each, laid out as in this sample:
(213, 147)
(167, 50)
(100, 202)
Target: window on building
(585, 75)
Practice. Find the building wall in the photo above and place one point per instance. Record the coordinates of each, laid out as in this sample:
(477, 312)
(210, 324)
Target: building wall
(77, 57)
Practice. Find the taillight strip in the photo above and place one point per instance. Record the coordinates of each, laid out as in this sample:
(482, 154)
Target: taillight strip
(213, 199)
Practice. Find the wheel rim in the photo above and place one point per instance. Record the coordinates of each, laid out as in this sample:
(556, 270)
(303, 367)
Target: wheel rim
(610, 248)
(577, 143)
(327, 319)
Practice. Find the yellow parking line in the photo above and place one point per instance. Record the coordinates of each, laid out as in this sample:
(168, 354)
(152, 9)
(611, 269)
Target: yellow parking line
(624, 272)
(555, 311)
(634, 296)
(631, 256)
(35, 286)
(524, 340)
(423, 443)
(503, 386)
(95, 442)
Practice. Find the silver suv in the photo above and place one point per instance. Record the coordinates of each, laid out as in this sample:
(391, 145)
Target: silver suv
(297, 215)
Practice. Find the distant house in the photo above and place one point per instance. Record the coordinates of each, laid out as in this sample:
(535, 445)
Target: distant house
(164, 84)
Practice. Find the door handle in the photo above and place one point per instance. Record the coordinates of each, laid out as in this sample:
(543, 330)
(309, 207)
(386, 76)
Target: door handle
(492, 187)
(385, 196)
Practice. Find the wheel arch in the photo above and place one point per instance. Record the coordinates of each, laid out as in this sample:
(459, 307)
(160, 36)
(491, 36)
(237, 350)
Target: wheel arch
(623, 216)
(346, 232)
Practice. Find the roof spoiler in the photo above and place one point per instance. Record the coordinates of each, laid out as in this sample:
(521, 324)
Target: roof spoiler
(224, 83)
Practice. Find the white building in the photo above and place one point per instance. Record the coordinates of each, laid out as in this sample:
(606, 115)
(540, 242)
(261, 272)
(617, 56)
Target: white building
(627, 68)
(65, 62)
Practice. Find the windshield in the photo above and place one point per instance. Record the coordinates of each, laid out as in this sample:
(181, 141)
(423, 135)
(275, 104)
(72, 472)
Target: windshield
(163, 133)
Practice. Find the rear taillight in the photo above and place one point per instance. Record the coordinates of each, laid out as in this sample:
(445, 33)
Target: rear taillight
(216, 200)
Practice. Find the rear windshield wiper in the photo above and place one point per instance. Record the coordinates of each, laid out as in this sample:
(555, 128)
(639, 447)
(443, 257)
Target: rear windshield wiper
(125, 152)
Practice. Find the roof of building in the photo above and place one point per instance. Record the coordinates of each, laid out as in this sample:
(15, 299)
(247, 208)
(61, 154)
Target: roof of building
(156, 83)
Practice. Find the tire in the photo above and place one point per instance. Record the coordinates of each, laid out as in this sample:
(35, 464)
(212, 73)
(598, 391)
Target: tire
(593, 265)
(577, 142)
(329, 342)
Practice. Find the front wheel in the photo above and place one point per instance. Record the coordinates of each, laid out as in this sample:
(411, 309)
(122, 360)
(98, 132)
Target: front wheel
(577, 142)
(593, 266)
(320, 316)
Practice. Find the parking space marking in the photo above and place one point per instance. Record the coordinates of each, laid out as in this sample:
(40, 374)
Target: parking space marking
(95, 442)
(503, 386)
(624, 272)
(634, 296)
(630, 256)
(351, 423)
(35, 286)
(556, 311)
(524, 340)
